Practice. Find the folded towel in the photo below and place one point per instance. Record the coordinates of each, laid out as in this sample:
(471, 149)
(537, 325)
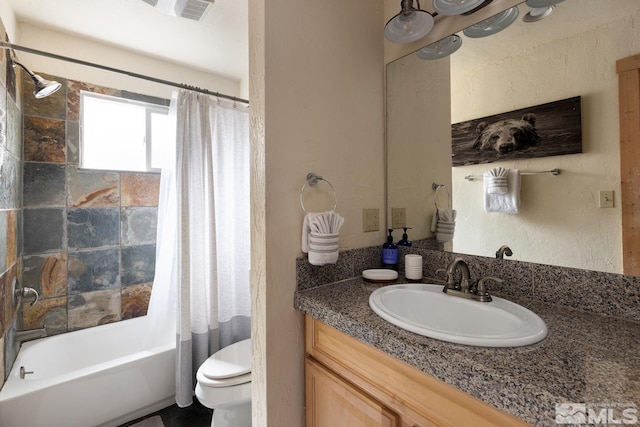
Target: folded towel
(443, 224)
(320, 237)
(508, 202)
(497, 182)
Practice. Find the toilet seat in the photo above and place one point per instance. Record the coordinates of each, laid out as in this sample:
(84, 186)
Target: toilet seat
(227, 367)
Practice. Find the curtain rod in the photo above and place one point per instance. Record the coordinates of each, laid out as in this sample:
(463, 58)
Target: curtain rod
(116, 70)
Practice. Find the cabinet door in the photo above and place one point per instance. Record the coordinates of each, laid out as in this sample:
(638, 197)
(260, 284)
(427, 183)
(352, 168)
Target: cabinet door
(333, 402)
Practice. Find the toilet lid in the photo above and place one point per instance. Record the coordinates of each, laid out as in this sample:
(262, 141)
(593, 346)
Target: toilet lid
(231, 361)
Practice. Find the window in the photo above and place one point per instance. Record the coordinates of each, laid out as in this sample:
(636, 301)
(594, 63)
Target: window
(121, 134)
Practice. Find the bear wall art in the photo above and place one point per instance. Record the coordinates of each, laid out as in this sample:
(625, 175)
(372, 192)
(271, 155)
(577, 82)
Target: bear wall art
(550, 129)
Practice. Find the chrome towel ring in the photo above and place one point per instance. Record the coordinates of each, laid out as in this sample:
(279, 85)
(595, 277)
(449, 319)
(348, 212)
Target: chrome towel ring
(312, 179)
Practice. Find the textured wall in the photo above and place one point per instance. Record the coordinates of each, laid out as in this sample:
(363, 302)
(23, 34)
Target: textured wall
(559, 214)
(316, 91)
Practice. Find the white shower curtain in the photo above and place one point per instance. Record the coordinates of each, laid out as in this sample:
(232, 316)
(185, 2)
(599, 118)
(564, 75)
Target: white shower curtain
(203, 251)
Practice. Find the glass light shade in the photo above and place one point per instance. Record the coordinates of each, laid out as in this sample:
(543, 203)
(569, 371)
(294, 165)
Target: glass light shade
(538, 14)
(441, 48)
(538, 4)
(408, 26)
(455, 7)
(492, 25)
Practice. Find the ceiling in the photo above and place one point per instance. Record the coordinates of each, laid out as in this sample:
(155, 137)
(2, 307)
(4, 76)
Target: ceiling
(217, 44)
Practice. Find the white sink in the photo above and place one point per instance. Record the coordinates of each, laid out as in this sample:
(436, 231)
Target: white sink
(426, 310)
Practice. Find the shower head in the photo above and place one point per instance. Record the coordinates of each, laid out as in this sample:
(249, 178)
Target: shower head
(43, 87)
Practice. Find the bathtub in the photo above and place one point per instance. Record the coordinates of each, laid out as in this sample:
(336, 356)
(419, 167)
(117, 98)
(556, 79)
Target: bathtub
(101, 376)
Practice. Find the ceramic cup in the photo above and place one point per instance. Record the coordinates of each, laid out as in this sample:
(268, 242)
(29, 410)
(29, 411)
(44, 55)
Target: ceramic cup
(413, 267)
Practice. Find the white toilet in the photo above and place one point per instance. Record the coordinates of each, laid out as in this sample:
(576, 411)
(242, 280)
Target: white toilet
(224, 385)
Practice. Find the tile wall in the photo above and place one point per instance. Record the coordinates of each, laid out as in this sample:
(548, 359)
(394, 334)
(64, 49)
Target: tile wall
(10, 200)
(84, 239)
(89, 236)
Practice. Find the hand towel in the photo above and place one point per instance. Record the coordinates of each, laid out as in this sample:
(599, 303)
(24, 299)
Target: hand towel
(320, 237)
(497, 181)
(508, 202)
(443, 224)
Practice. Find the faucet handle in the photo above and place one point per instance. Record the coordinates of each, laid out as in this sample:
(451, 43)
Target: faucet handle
(26, 292)
(482, 287)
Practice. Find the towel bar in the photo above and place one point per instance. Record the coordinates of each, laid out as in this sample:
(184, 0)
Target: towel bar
(554, 172)
(312, 179)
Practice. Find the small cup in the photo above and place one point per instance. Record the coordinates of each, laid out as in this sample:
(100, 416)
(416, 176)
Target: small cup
(413, 267)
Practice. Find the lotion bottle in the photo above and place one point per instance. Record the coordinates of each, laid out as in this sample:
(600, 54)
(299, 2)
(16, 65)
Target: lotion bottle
(390, 253)
(405, 238)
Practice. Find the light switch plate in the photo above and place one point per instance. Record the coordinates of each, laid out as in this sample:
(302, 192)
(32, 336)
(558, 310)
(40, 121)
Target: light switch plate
(606, 198)
(370, 220)
(398, 217)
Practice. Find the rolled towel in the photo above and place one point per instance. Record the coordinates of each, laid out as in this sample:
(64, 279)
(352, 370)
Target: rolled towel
(497, 182)
(445, 223)
(306, 229)
(323, 248)
(508, 202)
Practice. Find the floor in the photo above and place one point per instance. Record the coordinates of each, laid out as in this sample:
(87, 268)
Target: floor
(195, 415)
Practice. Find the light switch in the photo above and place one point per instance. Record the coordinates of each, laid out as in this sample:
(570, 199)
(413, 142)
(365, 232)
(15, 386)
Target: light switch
(606, 198)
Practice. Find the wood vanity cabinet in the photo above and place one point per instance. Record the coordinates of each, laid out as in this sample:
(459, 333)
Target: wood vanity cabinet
(351, 384)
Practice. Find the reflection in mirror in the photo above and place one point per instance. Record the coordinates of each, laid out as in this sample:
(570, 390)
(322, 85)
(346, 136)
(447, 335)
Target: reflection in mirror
(560, 221)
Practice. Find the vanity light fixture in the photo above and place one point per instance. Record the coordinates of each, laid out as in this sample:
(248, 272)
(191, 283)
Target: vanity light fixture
(441, 48)
(538, 14)
(409, 25)
(538, 4)
(42, 86)
(458, 7)
(492, 25)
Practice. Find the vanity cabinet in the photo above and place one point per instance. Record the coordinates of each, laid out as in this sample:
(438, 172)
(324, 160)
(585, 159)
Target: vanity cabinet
(349, 383)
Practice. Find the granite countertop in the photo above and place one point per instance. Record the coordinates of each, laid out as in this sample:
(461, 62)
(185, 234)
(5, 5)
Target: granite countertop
(586, 358)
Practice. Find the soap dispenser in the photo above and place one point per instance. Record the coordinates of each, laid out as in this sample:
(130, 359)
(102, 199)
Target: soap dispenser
(405, 238)
(390, 253)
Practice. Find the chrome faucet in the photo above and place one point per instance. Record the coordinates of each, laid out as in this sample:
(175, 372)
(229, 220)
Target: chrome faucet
(465, 289)
(504, 250)
(29, 334)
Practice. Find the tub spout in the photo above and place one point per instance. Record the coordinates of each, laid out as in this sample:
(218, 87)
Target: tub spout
(30, 334)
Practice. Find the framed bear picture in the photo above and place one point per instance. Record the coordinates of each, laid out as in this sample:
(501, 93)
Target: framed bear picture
(550, 129)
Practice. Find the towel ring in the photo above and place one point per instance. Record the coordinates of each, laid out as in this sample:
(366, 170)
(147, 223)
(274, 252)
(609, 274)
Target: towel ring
(437, 187)
(312, 179)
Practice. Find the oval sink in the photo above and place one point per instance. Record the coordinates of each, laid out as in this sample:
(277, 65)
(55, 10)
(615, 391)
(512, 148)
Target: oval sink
(426, 310)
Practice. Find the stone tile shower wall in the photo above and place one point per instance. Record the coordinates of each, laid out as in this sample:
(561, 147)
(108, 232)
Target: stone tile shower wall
(10, 201)
(89, 236)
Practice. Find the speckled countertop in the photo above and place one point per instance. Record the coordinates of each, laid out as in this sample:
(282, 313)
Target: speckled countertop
(586, 358)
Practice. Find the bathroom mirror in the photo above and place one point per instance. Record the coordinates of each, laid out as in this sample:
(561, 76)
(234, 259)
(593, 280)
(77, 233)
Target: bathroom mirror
(570, 53)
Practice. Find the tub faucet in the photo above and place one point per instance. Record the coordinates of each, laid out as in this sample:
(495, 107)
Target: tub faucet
(29, 334)
(504, 250)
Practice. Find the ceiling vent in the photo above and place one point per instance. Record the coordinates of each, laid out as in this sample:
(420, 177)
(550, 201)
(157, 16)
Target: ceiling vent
(191, 9)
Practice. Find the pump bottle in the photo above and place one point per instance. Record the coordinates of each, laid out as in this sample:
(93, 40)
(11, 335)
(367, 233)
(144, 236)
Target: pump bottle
(390, 253)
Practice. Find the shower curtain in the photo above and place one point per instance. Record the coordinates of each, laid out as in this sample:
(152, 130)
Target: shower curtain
(203, 255)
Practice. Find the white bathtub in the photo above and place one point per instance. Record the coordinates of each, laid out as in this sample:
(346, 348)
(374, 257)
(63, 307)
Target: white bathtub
(101, 376)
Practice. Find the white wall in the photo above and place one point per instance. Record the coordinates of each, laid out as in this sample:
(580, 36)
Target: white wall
(560, 222)
(316, 90)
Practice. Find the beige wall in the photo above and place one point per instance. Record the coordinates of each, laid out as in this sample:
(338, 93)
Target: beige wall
(316, 90)
(559, 214)
(418, 140)
(66, 45)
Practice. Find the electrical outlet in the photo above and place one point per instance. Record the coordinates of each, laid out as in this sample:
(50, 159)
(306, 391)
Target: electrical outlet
(398, 217)
(606, 198)
(370, 220)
